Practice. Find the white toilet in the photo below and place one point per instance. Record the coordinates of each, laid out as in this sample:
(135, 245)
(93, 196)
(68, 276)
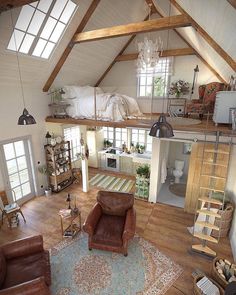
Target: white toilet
(178, 171)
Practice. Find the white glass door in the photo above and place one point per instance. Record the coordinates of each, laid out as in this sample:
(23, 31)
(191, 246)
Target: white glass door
(18, 169)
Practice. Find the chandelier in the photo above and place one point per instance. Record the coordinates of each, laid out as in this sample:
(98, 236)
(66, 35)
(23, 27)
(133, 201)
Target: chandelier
(149, 52)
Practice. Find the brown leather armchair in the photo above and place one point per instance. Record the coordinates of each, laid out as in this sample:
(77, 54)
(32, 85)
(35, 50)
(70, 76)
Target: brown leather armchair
(25, 268)
(111, 223)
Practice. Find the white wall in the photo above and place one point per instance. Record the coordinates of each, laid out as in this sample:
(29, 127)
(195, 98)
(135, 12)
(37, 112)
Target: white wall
(122, 78)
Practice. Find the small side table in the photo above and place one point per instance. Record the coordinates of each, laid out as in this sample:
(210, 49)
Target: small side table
(174, 103)
(70, 224)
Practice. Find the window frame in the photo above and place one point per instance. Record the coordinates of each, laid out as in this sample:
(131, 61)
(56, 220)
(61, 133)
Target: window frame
(149, 75)
(74, 149)
(37, 36)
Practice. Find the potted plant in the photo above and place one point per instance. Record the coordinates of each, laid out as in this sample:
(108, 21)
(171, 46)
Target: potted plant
(179, 88)
(141, 149)
(45, 171)
(142, 181)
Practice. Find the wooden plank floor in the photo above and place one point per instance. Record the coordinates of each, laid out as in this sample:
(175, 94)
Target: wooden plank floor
(146, 122)
(165, 226)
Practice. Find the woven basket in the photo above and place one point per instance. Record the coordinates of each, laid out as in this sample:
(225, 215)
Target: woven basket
(224, 222)
(216, 275)
(197, 291)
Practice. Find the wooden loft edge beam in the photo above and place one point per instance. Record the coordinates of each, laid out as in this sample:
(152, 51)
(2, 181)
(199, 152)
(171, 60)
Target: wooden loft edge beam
(69, 47)
(114, 60)
(233, 3)
(228, 59)
(164, 23)
(8, 4)
(170, 52)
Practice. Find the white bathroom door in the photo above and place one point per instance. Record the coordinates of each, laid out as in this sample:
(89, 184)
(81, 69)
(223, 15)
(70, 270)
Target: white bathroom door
(17, 169)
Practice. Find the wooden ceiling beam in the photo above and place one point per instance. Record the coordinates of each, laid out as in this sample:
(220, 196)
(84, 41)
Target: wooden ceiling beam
(164, 23)
(114, 60)
(159, 11)
(9, 4)
(170, 52)
(228, 59)
(69, 47)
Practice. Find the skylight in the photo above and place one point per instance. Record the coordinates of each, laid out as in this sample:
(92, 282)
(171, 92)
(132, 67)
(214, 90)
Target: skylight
(40, 26)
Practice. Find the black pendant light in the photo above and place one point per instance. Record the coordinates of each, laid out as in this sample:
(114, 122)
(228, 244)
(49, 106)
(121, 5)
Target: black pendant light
(25, 118)
(162, 129)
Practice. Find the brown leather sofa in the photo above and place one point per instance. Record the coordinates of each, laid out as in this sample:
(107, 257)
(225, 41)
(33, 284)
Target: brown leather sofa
(25, 268)
(111, 223)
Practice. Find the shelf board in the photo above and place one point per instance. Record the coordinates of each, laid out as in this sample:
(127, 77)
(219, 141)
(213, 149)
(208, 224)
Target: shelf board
(207, 224)
(209, 213)
(211, 189)
(210, 200)
(206, 238)
(204, 249)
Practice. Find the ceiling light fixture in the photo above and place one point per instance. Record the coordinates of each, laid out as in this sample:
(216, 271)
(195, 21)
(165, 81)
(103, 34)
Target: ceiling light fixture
(161, 128)
(149, 52)
(25, 118)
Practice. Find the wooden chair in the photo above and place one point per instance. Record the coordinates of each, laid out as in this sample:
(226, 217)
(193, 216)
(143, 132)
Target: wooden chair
(10, 210)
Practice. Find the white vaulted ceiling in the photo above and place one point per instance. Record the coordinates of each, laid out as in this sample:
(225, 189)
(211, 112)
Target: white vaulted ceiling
(88, 61)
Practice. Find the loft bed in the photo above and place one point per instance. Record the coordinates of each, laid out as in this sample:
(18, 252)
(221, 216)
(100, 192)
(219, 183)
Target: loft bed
(86, 102)
(90, 106)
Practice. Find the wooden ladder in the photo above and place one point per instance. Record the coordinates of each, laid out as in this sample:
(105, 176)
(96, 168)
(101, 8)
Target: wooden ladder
(213, 177)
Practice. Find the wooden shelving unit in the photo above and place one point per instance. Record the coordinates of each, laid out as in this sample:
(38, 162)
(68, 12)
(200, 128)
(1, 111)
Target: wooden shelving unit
(58, 160)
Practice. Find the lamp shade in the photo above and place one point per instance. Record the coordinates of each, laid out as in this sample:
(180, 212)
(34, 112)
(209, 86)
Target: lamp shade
(26, 118)
(161, 129)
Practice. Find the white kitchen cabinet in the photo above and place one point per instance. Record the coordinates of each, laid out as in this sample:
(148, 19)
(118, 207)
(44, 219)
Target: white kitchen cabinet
(95, 140)
(126, 164)
(224, 101)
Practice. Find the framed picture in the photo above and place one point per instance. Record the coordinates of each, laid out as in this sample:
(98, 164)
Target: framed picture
(187, 148)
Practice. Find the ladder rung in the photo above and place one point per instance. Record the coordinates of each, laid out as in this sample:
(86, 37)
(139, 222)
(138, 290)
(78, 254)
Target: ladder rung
(212, 176)
(207, 224)
(210, 200)
(209, 213)
(204, 249)
(216, 151)
(205, 237)
(212, 189)
(215, 164)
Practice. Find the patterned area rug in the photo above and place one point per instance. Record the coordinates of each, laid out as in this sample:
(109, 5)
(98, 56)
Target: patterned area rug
(112, 183)
(78, 271)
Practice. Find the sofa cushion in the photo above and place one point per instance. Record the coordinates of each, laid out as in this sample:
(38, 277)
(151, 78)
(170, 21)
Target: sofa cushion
(115, 203)
(3, 268)
(25, 268)
(109, 230)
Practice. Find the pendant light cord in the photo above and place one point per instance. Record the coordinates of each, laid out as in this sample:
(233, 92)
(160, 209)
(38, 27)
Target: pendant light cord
(17, 58)
(167, 47)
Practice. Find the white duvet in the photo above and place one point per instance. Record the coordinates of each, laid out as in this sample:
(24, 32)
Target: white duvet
(110, 106)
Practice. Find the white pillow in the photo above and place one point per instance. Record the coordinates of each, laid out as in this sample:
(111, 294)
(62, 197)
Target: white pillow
(80, 91)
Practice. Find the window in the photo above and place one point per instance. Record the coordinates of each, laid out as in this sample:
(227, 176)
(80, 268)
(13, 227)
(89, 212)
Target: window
(120, 137)
(40, 25)
(138, 136)
(72, 134)
(159, 82)
(141, 137)
(109, 134)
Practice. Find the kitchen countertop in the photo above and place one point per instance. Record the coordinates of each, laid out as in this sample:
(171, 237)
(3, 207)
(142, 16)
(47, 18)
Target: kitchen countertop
(139, 158)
